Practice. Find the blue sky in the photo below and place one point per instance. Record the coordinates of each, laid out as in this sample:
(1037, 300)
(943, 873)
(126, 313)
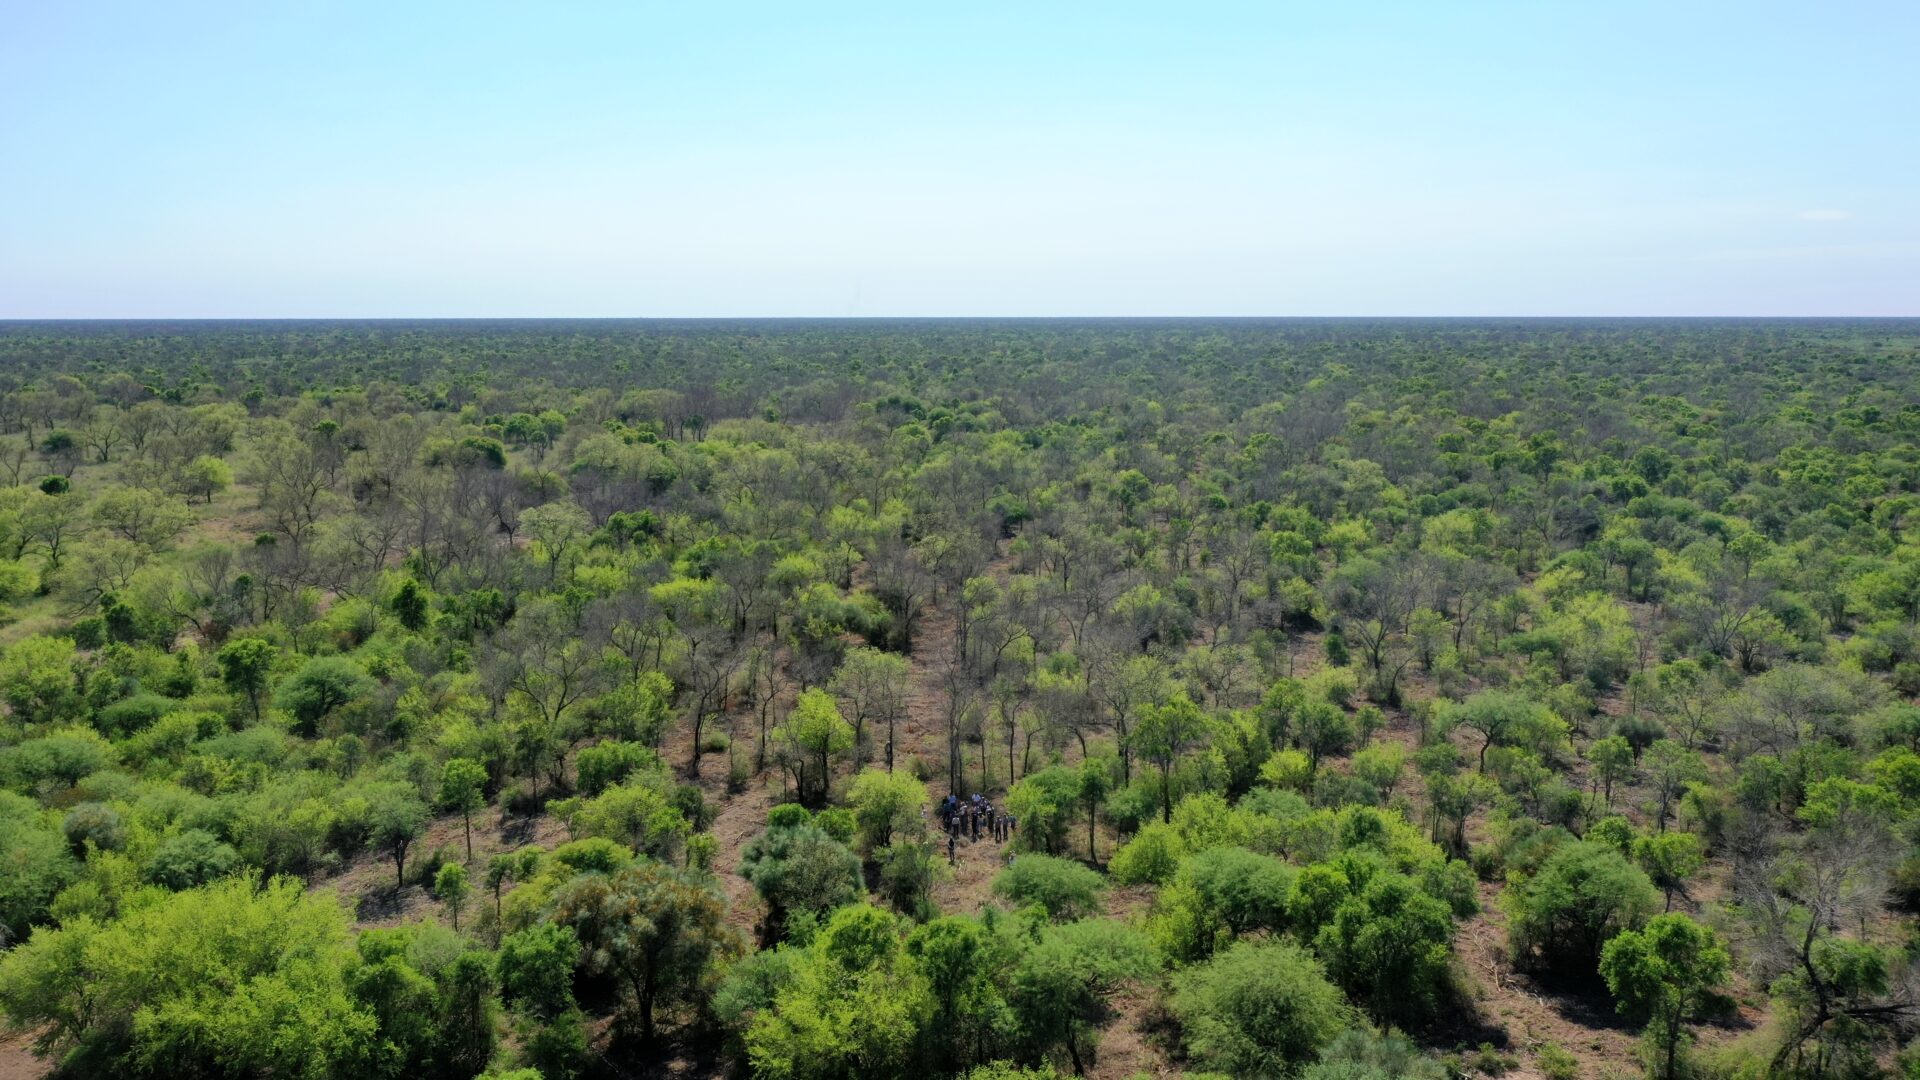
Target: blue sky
(1361, 158)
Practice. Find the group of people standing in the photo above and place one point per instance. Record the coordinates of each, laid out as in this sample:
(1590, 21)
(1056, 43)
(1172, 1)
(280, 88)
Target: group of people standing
(966, 819)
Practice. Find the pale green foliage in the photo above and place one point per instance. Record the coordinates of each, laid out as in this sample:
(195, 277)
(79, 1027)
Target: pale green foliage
(852, 1005)
(233, 977)
(813, 735)
(1063, 888)
(884, 804)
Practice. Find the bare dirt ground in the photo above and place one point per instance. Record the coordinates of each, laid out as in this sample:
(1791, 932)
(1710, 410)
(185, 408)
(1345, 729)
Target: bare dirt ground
(17, 1061)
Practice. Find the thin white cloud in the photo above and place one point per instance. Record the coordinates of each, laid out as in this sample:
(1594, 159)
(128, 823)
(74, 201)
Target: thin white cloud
(1824, 215)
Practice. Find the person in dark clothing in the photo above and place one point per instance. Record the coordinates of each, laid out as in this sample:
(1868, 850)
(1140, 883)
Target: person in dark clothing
(951, 849)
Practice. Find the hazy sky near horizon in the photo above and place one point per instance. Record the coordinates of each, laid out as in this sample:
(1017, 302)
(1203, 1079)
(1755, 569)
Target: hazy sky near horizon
(1372, 158)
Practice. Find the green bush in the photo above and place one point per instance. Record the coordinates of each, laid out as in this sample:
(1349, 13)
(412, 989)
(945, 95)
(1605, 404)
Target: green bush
(1560, 917)
(799, 869)
(1065, 889)
(1258, 1009)
(189, 858)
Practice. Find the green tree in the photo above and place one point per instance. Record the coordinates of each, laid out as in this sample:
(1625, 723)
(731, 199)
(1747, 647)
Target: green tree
(234, 979)
(852, 1005)
(450, 886)
(1612, 759)
(1150, 857)
(410, 605)
(1380, 767)
(1323, 729)
(557, 528)
(37, 861)
(395, 819)
(1671, 859)
(245, 664)
(1670, 768)
(1065, 889)
(1164, 735)
(885, 803)
(1663, 975)
(658, 930)
(536, 966)
(1219, 895)
(813, 735)
(204, 477)
(962, 961)
(873, 684)
(190, 857)
(1390, 947)
(1044, 802)
(800, 869)
(434, 1001)
(1583, 895)
(641, 813)
(1260, 1009)
(1499, 717)
(142, 517)
(1060, 984)
(602, 765)
(36, 679)
(321, 686)
(1096, 780)
(463, 784)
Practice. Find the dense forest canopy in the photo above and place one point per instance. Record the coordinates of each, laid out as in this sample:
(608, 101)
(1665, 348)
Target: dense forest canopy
(1341, 699)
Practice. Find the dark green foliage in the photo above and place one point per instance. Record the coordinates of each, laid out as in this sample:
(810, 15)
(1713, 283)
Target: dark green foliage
(410, 605)
(655, 931)
(244, 665)
(433, 999)
(189, 858)
(1583, 894)
(38, 864)
(1061, 982)
(535, 968)
(321, 686)
(801, 870)
(94, 825)
(131, 715)
(906, 871)
(1390, 947)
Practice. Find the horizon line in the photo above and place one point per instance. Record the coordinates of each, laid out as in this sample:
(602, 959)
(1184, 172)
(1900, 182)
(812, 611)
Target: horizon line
(18, 319)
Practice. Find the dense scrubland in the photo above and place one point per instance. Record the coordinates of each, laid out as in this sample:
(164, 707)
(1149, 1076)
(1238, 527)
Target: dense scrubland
(1376, 699)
